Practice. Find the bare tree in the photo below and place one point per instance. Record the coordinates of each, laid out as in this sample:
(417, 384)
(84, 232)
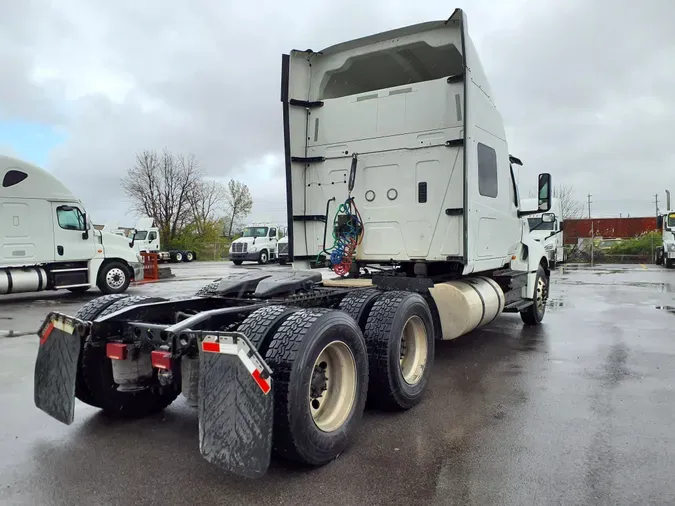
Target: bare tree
(570, 208)
(159, 186)
(206, 200)
(239, 204)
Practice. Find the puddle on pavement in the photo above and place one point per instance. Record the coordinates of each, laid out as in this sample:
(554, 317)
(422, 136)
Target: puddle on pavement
(670, 309)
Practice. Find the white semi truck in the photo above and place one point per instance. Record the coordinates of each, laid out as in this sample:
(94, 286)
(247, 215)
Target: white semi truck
(547, 228)
(665, 222)
(47, 241)
(147, 239)
(397, 172)
(258, 243)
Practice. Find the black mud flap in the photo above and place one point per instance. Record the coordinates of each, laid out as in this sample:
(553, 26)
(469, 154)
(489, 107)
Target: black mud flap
(235, 404)
(56, 366)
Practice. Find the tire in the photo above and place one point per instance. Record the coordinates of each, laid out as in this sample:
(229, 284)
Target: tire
(670, 263)
(264, 257)
(178, 256)
(210, 289)
(98, 377)
(237, 262)
(189, 256)
(292, 354)
(114, 277)
(358, 304)
(129, 301)
(534, 314)
(395, 385)
(283, 261)
(79, 289)
(89, 312)
(261, 325)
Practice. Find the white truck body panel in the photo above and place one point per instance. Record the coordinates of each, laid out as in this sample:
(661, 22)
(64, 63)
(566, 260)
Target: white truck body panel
(395, 100)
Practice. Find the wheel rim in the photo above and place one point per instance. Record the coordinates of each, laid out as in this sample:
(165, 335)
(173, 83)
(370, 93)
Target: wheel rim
(541, 295)
(414, 350)
(115, 278)
(179, 257)
(332, 388)
(263, 257)
(189, 256)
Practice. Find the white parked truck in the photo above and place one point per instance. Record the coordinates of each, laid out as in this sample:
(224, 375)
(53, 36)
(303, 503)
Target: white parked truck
(146, 239)
(665, 254)
(397, 172)
(47, 241)
(547, 228)
(258, 243)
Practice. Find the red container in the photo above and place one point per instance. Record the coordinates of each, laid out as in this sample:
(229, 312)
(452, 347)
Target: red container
(607, 228)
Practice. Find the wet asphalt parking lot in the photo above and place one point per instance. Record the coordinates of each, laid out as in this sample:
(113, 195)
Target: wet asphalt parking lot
(577, 411)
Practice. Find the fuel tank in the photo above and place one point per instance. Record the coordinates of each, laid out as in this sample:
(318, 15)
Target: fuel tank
(467, 304)
(22, 279)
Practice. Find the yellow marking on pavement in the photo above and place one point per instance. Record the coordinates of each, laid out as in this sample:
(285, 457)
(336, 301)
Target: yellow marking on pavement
(643, 266)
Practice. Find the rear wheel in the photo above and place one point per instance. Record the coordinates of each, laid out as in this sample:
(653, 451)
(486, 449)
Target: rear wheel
(189, 256)
(320, 367)
(261, 325)
(89, 312)
(237, 262)
(534, 314)
(399, 333)
(178, 256)
(148, 398)
(670, 263)
(358, 304)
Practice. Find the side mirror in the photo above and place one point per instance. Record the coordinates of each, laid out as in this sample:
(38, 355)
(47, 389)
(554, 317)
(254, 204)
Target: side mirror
(548, 217)
(544, 192)
(659, 222)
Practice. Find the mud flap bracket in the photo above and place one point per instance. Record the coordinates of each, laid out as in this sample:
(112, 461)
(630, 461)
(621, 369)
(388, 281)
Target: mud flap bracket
(56, 366)
(235, 403)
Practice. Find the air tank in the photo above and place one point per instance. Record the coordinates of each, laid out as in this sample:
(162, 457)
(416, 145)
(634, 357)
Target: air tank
(22, 279)
(467, 304)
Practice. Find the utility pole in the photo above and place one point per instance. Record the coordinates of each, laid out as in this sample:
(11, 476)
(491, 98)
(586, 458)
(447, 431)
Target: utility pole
(589, 205)
(656, 202)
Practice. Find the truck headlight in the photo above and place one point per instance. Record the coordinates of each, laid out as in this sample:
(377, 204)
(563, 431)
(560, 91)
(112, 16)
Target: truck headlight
(139, 257)
(549, 247)
(671, 246)
(252, 249)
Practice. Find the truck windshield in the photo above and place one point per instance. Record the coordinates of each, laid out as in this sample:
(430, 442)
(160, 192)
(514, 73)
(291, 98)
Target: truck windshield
(140, 235)
(255, 232)
(536, 224)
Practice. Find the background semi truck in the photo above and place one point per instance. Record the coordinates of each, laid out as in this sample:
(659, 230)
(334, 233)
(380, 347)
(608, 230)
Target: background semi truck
(147, 239)
(258, 243)
(398, 174)
(547, 228)
(47, 241)
(665, 223)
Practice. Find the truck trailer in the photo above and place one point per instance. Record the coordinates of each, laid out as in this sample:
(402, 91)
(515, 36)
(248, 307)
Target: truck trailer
(47, 241)
(398, 174)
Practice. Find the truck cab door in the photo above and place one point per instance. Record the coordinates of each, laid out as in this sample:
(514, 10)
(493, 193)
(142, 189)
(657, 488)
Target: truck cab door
(272, 239)
(73, 237)
(153, 241)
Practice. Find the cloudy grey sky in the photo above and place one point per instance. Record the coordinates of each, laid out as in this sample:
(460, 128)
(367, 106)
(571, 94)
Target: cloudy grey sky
(585, 87)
